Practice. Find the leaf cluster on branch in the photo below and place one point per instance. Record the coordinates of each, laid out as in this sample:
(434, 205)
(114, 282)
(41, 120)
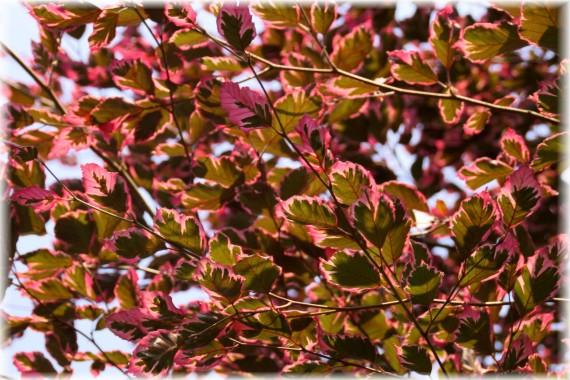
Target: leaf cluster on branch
(352, 193)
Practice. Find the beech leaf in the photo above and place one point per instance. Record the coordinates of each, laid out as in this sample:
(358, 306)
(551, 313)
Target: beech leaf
(519, 197)
(235, 24)
(351, 271)
(472, 223)
(540, 25)
(410, 67)
(244, 107)
(485, 41)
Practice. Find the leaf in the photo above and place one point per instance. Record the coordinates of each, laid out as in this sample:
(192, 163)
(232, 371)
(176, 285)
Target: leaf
(111, 109)
(345, 109)
(411, 198)
(397, 236)
(517, 353)
(485, 41)
(244, 107)
(180, 229)
(474, 331)
(351, 271)
(476, 122)
(373, 217)
(514, 146)
(46, 261)
(315, 143)
(133, 242)
(552, 150)
(292, 107)
(348, 181)
(547, 98)
(180, 14)
(483, 265)
(126, 288)
(37, 198)
(221, 64)
(219, 282)
(277, 15)
(155, 353)
(423, 284)
(208, 102)
(260, 273)
(443, 37)
(106, 188)
(409, 66)
(235, 24)
(185, 38)
(484, 170)
(221, 170)
(65, 17)
(351, 50)
(203, 196)
(473, 222)
(133, 75)
(323, 15)
(310, 211)
(450, 109)
(539, 24)
(104, 29)
(51, 289)
(33, 363)
(415, 358)
(539, 281)
(75, 230)
(349, 346)
(519, 197)
(222, 251)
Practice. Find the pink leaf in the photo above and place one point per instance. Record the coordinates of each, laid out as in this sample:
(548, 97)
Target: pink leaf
(106, 188)
(36, 197)
(245, 108)
(519, 197)
(235, 24)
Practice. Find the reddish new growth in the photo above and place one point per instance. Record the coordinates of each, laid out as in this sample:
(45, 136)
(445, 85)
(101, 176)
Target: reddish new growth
(344, 192)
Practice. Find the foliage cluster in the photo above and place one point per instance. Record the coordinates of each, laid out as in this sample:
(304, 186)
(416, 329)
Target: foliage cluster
(354, 193)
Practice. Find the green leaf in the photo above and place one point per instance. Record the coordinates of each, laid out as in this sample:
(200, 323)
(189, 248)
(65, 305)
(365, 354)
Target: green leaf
(443, 37)
(351, 271)
(474, 331)
(126, 290)
(260, 273)
(204, 196)
(180, 229)
(450, 109)
(351, 50)
(223, 252)
(423, 284)
(374, 217)
(219, 282)
(133, 243)
(415, 358)
(187, 38)
(344, 109)
(50, 289)
(397, 235)
(75, 229)
(519, 197)
(472, 223)
(484, 170)
(309, 211)
(482, 42)
(278, 15)
(540, 24)
(411, 198)
(222, 170)
(155, 352)
(134, 75)
(111, 108)
(484, 264)
(221, 64)
(348, 181)
(34, 362)
(539, 281)
(104, 29)
(45, 260)
(410, 67)
(476, 122)
(350, 346)
(551, 151)
(292, 107)
(322, 16)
